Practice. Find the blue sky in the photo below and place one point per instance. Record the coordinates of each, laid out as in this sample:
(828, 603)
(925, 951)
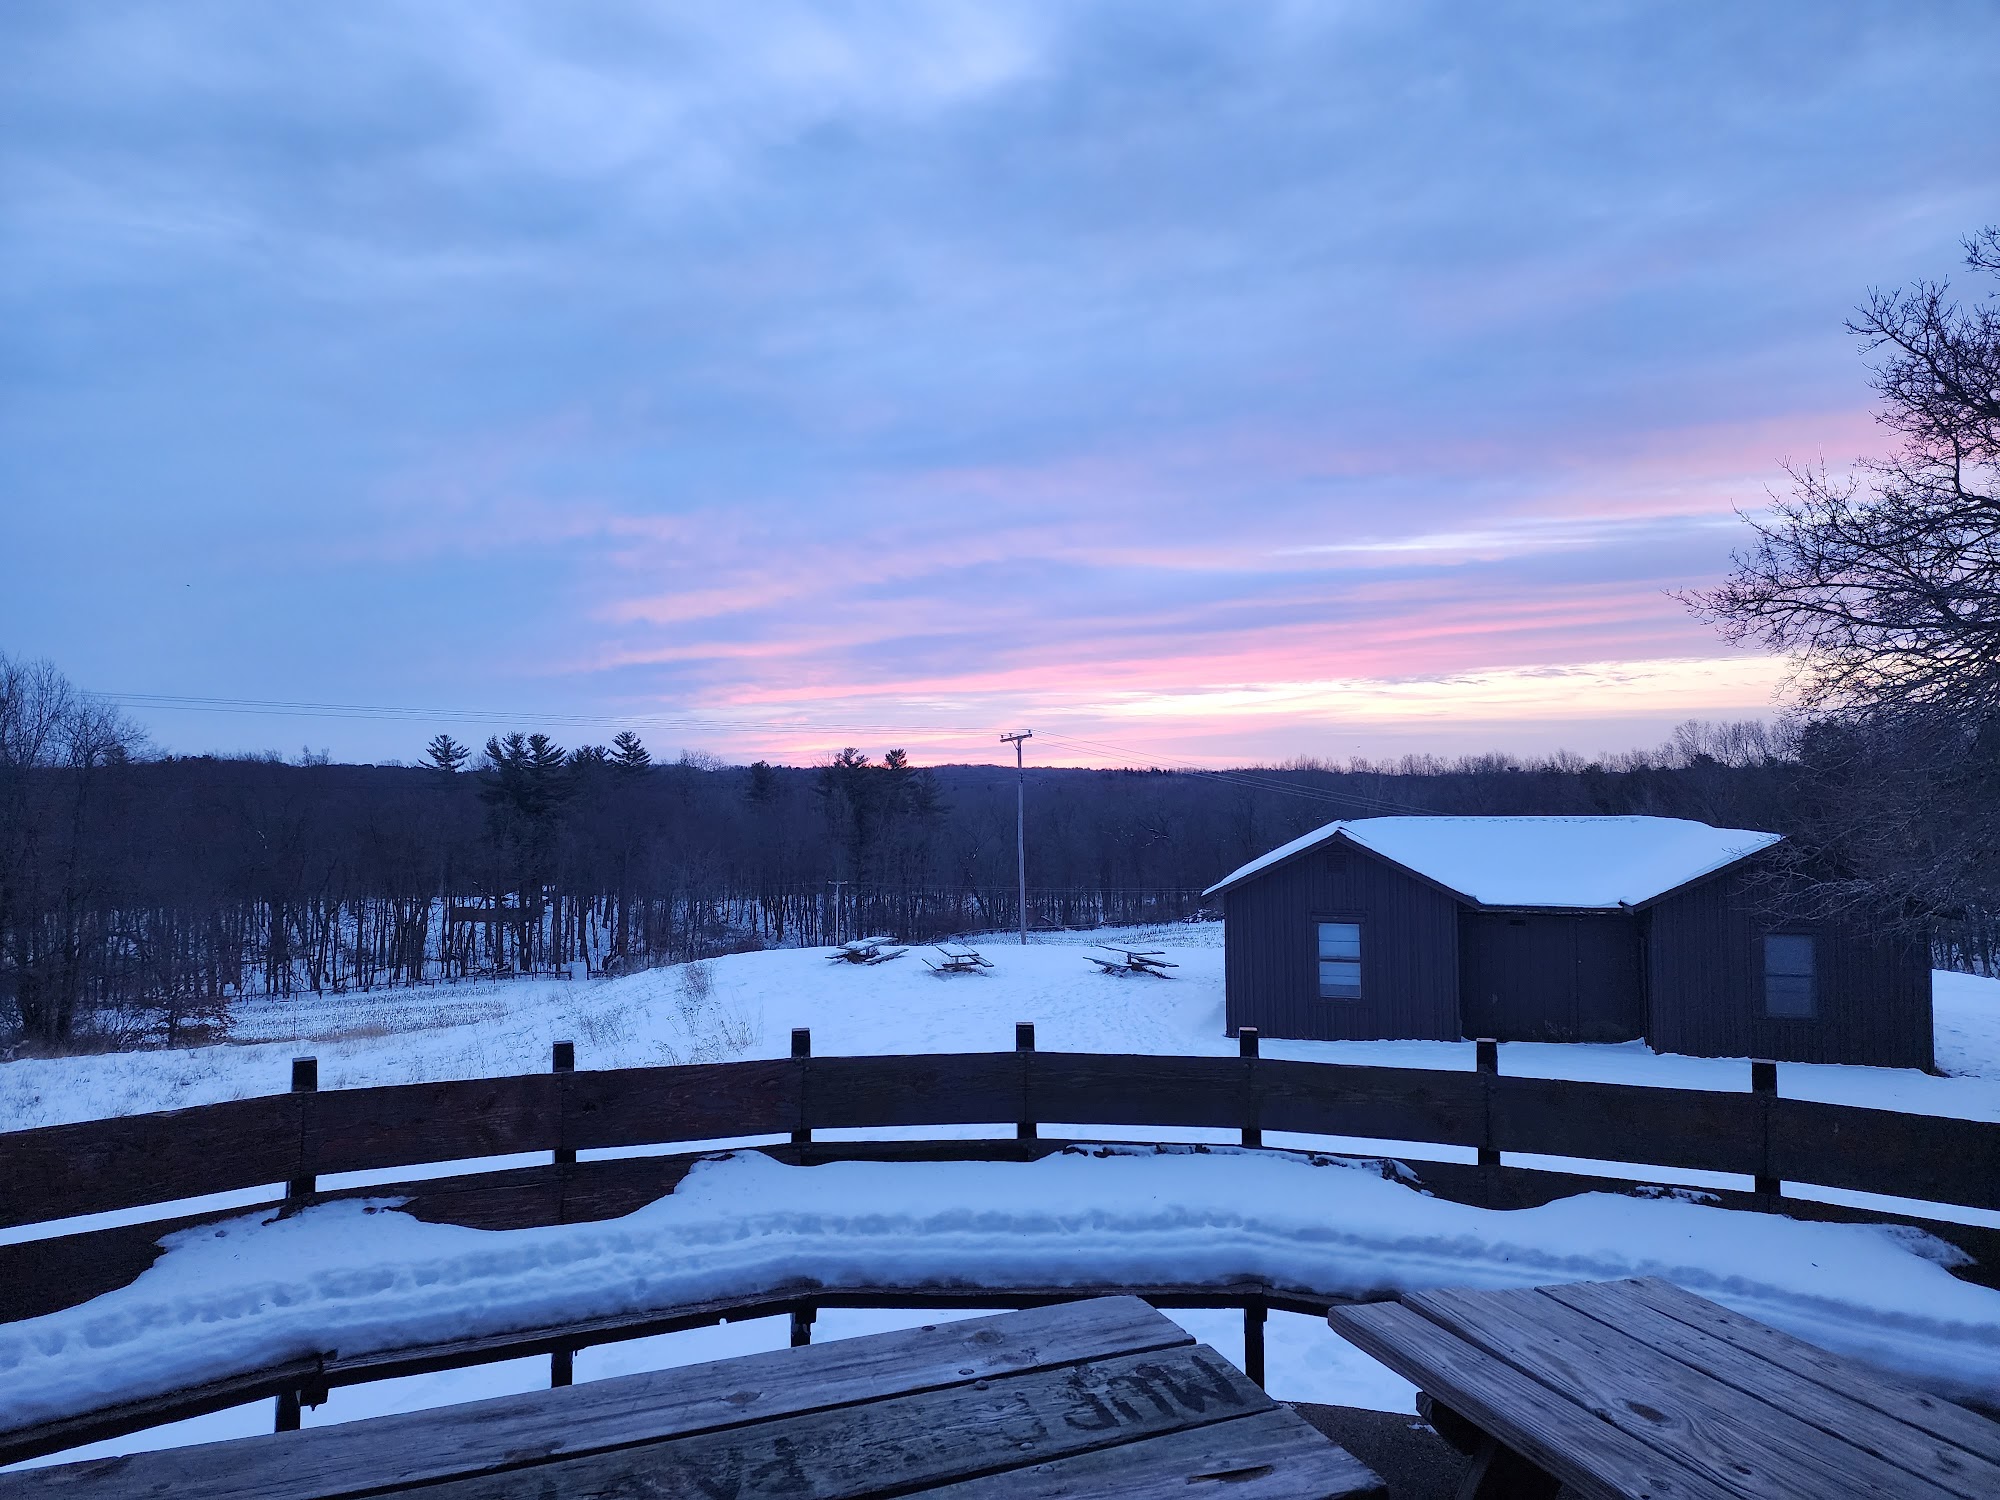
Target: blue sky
(1212, 382)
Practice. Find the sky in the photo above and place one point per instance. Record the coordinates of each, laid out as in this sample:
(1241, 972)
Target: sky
(1184, 382)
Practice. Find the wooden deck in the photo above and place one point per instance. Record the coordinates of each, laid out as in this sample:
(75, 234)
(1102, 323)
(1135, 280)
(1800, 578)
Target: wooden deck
(1639, 1389)
(1104, 1398)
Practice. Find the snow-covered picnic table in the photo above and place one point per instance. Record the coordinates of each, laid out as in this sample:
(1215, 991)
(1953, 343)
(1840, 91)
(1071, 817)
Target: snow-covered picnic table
(955, 960)
(868, 950)
(1104, 1396)
(1114, 959)
(1639, 1388)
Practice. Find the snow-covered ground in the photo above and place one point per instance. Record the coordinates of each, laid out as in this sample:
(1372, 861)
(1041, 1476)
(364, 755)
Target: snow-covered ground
(341, 1275)
(757, 998)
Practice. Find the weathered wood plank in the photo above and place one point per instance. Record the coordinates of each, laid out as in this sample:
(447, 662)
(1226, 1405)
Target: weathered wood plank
(1699, 1128)
(1932, 1414)
(481, 1436)
(699, 1102)
(1885, 1151)
(1275, 1455)
(1830, 1410)
(938, 1089)
(402, 1125)
(1593, 1458)
(1397, 1104)
(137, 1416)
(1091, 1088)
(1749, 1445)
(60, 1171)
(908, 1443)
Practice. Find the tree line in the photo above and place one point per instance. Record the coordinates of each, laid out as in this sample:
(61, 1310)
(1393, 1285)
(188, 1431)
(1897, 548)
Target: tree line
(142, 896)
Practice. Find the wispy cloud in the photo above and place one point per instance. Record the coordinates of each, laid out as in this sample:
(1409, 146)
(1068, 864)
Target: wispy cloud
(1210, 375)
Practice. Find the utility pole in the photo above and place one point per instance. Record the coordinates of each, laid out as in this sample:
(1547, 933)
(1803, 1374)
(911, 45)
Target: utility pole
(1021, 820)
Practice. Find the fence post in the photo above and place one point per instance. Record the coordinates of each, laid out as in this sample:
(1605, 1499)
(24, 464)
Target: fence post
(1025, 1128)
(802, 1051)
(1253, 1133)
(305, 1080)
(1486, 1057)
(288, 1412)
(563, 1060)
(1764, 1085)
(1254, 1314)
(562, 1366)
(802, 1325)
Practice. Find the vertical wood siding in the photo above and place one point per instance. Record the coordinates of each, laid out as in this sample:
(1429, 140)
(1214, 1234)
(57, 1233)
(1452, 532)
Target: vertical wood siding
(1409, 951)
(1687, 973)
(1706, 968)
(1551, 976)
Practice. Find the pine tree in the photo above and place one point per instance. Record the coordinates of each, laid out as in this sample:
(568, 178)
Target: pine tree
(627, 753)
(447, 755)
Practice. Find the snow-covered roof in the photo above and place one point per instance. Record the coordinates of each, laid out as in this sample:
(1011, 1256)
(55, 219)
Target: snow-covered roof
(1591, 864)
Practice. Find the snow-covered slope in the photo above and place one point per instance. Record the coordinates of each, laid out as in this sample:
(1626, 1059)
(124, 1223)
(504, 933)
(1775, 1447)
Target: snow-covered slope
(755, 1000)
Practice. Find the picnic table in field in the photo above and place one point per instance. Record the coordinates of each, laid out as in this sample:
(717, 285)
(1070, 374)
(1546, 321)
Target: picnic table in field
(868, 950)
(952, 959)
(1100, 1398)
(1116, 959)
(1638, 1388)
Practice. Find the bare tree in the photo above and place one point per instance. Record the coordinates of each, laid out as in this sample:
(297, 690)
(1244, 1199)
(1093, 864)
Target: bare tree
(53, 742)
(1883, 584)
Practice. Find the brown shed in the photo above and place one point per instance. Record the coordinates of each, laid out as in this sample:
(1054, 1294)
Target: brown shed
(1560, 929)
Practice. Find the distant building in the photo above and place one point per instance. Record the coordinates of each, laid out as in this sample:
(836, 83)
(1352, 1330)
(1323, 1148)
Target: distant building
(1556, 930)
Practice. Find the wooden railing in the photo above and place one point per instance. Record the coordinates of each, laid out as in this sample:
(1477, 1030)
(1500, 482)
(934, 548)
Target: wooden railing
(63, 1171)
(297, 1138)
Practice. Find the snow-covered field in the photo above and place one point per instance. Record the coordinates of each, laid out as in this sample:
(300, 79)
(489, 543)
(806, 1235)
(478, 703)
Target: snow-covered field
(757, 998)
(356, 1279)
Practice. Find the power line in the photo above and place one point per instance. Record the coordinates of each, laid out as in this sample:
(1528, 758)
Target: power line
(405, 713)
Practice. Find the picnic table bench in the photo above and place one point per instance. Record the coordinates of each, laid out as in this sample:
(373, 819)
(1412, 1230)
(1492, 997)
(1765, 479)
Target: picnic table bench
(1637, 1388)
(868, 950)
(1117, 960)
(953, 960)
(1103, 1398)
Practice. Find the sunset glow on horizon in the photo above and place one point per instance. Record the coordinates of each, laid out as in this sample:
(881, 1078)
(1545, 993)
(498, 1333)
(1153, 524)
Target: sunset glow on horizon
(1190, 385)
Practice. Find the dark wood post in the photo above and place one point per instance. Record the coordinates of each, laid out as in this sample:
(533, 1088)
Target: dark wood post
(1254, 1314)
(1025, 1128)
(802, 1051)
(288, 1412)
(1253, 1112)
(563, 1061)
(802, 1325)
(305, 1080)
(1486, 1057)
(1764, 1084)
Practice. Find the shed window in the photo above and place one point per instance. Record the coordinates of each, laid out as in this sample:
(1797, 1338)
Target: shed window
(1790, 989)
(1340, 960)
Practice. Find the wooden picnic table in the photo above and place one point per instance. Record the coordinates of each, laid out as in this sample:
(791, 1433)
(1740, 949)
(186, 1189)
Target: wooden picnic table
(1122, 960)
(954, 960)
(1637, 1388)
(869, 950)
(1103, 1398)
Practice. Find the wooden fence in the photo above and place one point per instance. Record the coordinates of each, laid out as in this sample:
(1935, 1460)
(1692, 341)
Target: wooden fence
(63, 1171)
(296, 1138)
